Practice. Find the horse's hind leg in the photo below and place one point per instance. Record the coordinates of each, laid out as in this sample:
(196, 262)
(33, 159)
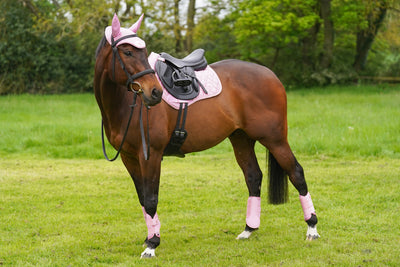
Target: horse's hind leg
(288, 162)
(243, 146)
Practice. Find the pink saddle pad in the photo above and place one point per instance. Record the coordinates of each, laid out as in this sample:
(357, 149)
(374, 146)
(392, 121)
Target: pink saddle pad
(207, 77)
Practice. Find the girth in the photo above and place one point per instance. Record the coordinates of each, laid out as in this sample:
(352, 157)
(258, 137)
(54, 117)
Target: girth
(179, 134)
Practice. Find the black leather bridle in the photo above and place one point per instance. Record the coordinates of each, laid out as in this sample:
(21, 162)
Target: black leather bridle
(129, 84)
(131, 78)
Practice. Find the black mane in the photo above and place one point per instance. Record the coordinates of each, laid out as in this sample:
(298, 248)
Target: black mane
(101, 45)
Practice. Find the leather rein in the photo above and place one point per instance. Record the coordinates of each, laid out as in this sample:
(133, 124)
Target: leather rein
(129, 83)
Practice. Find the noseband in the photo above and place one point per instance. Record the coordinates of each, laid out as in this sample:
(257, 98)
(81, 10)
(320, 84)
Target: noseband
(131, 78)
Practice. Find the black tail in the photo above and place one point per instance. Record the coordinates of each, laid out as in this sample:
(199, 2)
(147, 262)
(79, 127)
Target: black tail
(278, 182)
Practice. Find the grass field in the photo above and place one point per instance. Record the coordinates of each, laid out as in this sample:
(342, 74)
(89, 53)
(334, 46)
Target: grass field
(61, 204)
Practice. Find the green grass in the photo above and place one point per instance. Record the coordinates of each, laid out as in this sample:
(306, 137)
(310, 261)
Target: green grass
(350, 121)
(54, 126)
(85, 212)
(62, 205)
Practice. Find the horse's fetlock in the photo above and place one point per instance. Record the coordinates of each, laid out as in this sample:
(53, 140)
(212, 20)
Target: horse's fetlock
(312, 221)
(153, 242)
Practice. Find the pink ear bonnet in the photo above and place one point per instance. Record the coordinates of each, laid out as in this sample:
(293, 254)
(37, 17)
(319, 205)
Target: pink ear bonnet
(117, 32)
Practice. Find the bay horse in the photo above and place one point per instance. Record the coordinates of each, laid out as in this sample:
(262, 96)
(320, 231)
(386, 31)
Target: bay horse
(251, 107)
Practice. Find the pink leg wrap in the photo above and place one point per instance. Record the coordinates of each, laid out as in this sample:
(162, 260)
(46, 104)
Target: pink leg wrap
(153, 224)
(253, 212)
(307, 205)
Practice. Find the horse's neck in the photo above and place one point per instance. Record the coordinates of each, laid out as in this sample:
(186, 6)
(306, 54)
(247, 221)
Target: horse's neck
(110, 96)
(115, 104)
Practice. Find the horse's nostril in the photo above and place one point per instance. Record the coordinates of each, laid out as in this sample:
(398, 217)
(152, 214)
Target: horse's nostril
(156, 94)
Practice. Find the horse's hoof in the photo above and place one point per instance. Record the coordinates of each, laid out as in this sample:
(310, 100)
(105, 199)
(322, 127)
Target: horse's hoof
(148, 253)
(312, 233)
(244, 235)
(312, 237)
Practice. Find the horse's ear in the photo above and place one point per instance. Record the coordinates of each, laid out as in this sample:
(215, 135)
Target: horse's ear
(135, 27)
(116, 26)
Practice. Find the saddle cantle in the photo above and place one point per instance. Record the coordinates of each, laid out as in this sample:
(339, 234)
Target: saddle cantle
(195, 60)
(178, 75)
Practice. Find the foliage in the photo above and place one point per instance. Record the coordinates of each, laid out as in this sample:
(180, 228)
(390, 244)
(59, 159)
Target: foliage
(274, 24)
(288, 36)
(219, 42)
(32, 60)
(48, 46)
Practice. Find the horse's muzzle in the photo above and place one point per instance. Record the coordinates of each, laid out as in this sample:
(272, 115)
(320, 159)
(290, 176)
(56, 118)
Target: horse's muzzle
(155, 97)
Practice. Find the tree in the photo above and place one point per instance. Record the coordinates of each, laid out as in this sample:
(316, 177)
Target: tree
(190, 25)
(266, 24)
(375, 15)
(215, 35)
(25, 61)
(327, 55)
(331, 39)
(177, 27)
(49, 45)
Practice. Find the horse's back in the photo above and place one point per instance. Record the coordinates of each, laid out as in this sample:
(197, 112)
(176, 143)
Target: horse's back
(246, 76)
(245, 68)
(251, 83)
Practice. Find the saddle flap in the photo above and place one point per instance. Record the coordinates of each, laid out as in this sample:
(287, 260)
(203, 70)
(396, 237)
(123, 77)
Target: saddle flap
(179, 82)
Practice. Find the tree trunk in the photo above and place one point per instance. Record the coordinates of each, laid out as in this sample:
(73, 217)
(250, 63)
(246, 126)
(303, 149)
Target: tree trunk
(275, 58)
(190, 25)
(366, 37)
(308, 49)
(309, 44)
(31, 6)
(177, 28)
(327, 56)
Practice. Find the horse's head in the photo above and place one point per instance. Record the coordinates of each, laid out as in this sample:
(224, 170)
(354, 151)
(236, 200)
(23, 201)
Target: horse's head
(128, 63)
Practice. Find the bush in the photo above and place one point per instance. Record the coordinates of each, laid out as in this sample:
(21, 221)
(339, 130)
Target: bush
(36, 61)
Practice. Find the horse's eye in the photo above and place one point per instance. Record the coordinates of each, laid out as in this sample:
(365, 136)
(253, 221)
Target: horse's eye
(128, 53)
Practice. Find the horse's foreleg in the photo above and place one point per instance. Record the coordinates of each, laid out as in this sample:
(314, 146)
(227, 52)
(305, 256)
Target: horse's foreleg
(153, 234)
(151, 180)
(292, 167)
(146, 177)
(243, 146)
